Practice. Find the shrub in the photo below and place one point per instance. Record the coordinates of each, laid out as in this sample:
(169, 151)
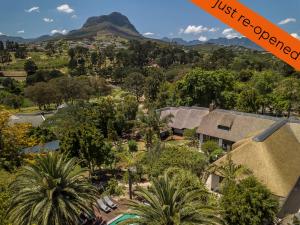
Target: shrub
(132, 146)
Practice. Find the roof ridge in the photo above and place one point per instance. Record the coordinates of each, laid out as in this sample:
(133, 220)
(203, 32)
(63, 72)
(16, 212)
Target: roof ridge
(271, 130)
(249, 114)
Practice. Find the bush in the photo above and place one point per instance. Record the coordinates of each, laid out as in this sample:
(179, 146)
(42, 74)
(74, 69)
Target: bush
(248, 203)
(157, 161)
(212, 150)
(113, 188)
(132, 146)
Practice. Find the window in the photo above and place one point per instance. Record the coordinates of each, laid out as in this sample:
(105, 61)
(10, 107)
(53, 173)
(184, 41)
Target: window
(221, 127)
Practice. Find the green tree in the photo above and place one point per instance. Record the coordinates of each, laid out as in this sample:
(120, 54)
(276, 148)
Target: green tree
(248, 101)
(150, 125)
(169, 202)
(53, 191)
(30, 67)
(88, 144)
(264, 83)
(232, 172)
(248, 203)
(201, 87)
(191, 135)
(288, 91)
(134, 83)
(212, 150)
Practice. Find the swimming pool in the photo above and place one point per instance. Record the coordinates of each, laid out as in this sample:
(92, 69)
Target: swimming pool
(121, 218)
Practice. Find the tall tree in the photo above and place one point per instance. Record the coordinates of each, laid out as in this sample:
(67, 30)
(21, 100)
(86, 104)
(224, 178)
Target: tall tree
(134, 82)
(30, 67)
(53, 191)
(169, 202)
(288, 91)
(88, 144)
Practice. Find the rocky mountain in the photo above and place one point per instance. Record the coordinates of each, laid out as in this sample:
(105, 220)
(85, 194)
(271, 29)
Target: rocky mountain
(112, 24)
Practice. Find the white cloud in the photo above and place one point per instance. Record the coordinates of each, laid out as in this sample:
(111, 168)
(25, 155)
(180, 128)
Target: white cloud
(65, 8)
(21, 32)
(1, 34)
(213, 29)
(202, 38)
(33, 9)
(230, 33)
(48, 20)
(64, 31)
(148, 34)
(287, 20)
(74, 16)
(192, 29)
(295, 35)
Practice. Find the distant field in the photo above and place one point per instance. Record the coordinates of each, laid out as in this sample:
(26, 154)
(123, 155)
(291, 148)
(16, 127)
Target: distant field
(41, 59)
(17, 75)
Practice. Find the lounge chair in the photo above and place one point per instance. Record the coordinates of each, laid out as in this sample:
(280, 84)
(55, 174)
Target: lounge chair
(103, 206)
(109, 202)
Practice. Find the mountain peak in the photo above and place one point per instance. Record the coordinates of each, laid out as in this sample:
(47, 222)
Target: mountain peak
(114, 19)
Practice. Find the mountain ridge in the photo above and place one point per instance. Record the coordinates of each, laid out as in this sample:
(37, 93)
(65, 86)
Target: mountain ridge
(118, 24)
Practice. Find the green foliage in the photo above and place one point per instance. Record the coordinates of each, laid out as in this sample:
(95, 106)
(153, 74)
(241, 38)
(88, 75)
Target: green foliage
(201, 87)
(43, 76)
(170, 202)
(159, 160)
(212, 150)
(86, 143)
(53, 191)
(132, 146)
(248, 203)
(134, 83)
(248, 101)
(191, 135)
(6, 179)
(30, 67)
(150, 125)
(113, 188)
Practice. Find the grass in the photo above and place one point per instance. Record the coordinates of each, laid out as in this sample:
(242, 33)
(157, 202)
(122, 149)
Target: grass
(43, 61)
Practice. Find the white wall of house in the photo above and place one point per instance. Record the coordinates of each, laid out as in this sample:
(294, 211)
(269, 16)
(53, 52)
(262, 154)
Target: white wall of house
(213, 182)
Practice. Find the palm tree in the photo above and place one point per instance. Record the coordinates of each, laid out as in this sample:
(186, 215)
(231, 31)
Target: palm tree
(150, 124)
(231, 172)
(53, 191)
(167, 202)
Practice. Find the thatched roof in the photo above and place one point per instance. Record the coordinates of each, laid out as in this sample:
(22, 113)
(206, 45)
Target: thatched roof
(233, 126)
(275, 161)
(184, 117)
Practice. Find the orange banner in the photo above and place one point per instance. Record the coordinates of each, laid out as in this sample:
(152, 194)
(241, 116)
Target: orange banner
(256, 28)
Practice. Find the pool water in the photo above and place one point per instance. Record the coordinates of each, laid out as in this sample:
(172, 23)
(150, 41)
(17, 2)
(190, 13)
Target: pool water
(122, 218)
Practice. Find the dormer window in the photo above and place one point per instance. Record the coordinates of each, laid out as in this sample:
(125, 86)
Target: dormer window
(222, 127)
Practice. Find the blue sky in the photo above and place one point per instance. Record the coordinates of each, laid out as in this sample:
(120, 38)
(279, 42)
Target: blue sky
(155, 18)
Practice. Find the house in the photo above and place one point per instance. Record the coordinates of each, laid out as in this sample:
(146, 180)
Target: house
(228, 127)
(183, 117)
(224, 126)
(273, 156)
